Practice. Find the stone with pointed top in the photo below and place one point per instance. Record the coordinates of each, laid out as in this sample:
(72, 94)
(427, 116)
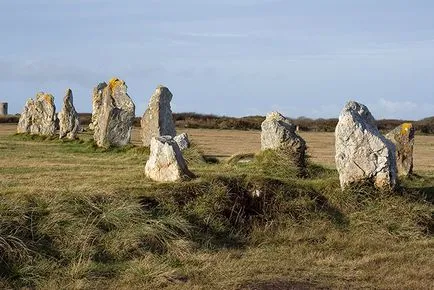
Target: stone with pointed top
(69, 124)
(362, 153)
(157, 119)
(166, 163)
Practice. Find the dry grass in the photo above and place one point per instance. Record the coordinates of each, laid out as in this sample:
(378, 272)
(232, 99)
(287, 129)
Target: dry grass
(72, 216)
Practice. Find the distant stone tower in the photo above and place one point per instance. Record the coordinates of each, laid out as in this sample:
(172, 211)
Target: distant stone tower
(3, 109)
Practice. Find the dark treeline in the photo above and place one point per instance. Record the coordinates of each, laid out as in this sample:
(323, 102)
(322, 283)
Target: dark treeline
(209, 121)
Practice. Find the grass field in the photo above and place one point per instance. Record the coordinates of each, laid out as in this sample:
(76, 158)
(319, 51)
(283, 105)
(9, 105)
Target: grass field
(76, 217)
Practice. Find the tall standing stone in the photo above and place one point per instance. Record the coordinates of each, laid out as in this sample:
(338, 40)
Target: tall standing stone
(403, 138)
(96, 103)
(166, 163)
(25, 120)
(115, 118)
(279, 134)
(158, 120)
(362, 153)
(69, 124)
(43, 115)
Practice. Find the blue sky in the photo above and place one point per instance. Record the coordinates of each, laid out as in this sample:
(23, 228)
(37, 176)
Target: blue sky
(237, 58)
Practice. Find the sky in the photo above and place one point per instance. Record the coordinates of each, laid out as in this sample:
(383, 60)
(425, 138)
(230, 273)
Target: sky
(226, 57)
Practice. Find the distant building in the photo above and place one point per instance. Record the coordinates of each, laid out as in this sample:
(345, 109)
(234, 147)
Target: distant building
(3, 109)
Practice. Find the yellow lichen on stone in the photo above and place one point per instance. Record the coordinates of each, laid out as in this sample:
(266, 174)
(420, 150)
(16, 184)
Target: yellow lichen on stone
(405, 128)
(49, 98)
(114, 82)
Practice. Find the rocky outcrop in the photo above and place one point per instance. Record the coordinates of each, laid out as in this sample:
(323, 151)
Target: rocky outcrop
(157, 119)
(166, 163)
(182, 141)
(96, 103)
(279, 134)
(362, 153)
(403, 138)
(69, 124)
(115, 116)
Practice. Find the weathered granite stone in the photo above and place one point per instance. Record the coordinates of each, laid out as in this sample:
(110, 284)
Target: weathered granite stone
(157, 119)
(403, 138)
(115, 117)
(182, 141)
(96, 103)
(26, 118)
(362, 153)
(279, 134)
(166, 163)
(69, 124)
(43, 115)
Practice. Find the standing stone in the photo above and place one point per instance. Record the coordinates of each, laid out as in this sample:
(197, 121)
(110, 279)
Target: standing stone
(403, 138)
(115, 117)
(362, 153)
(26, 118)
(279, 134)
(3, 109)
(182, 141)
(43, 115)
(68, 118)
(158, 120)
(166, 163)
(96, 104)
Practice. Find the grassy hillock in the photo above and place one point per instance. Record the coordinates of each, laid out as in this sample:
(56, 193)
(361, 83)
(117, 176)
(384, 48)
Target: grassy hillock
(76, 216)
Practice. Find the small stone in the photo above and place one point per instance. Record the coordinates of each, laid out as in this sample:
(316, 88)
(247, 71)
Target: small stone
(362, 153)
(279, 134)
(182, 141)
(403, 138)
(114, 116)
(69, 124)
(157, 119)
(166, 163)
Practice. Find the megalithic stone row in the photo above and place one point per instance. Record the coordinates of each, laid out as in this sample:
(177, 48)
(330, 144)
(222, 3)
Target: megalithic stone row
(115, 117)
(278, 133)
(69, 124)
(403, 138)
(166, 163)
(362, 153)
(157, 119)
(39, 116)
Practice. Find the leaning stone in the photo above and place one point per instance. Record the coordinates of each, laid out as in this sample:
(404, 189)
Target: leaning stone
(166, 163)
(362, 153)
(26, 118)
(96, 104)
(43, 115)
(182, 141)
(157, 119)
(115, 117)
(403, 138)
(69, 124)
(279, 134)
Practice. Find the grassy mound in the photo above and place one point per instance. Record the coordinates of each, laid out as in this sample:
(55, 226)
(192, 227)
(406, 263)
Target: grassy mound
(74, 216)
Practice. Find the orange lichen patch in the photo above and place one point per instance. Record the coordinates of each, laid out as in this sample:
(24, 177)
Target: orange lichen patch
(114, 82)
(405, 128)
